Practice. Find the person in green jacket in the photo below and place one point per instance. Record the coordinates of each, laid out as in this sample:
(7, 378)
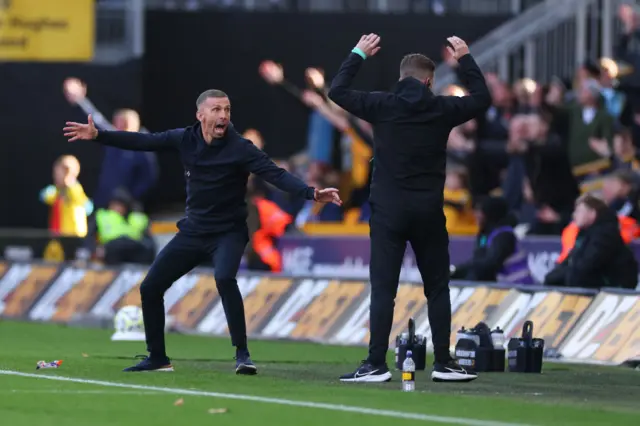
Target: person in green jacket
(121, 233)
(588, 124)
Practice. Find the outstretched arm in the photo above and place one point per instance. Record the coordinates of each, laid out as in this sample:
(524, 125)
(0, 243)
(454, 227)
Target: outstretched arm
(125, 140)
(76, 93)
(361, 104)
(258, 163)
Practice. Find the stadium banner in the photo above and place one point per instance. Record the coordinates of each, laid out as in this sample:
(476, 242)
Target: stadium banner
(19, 246)
(348, 257)
(578, 325)
(51, 30)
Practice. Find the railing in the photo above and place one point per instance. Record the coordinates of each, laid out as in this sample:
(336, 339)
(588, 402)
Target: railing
(550, 39)
(375, 6)
(119, 30)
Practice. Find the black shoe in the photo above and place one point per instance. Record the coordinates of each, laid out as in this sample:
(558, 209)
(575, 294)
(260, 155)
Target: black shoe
(368, 373)
(244, 365)
(148, 364)
(451, 372)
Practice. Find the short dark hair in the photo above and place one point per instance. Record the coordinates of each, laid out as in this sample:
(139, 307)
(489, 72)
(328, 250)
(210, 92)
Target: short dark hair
(416, 65)
(211, 93)
(593, 202)
(627, 177)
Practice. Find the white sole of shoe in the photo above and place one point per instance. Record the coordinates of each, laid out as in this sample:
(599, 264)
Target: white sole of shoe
(163, 369)
(248, 370)
(378, 378)
(452, 377)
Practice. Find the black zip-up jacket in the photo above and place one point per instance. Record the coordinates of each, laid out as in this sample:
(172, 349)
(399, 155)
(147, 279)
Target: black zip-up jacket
(411, 126)
(600, 258)
(216, 174)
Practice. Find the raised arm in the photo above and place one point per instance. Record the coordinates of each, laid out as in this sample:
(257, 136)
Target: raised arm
(132, 141)
(364, 105)
(260, 164)
(75, 91)
(463, 109)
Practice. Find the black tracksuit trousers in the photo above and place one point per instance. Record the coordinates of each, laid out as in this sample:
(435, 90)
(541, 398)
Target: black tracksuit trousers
(181, 255)
(420, 221)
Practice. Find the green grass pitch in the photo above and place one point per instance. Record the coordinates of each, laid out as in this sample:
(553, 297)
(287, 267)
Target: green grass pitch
(294, 380)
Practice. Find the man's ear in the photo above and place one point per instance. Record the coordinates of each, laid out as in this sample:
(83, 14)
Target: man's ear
(199, 115)
(427, 82)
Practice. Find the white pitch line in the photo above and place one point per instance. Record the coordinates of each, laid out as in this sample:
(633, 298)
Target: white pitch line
(277, 401)
(80, 392)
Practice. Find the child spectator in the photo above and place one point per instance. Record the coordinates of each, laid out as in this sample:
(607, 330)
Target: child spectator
(69, 204)
(458, 208)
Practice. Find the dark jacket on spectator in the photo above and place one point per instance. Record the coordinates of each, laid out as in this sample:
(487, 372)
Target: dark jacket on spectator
(549, 173)
(489, 258)
(599, 258)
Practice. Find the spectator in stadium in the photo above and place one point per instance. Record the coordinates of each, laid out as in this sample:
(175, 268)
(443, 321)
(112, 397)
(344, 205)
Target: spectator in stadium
(623, 155)
(587, 121)
(599, 257)
(524, 91)
(548, 173)
(137, 172)
(357, 142)
(266, 222)
(619, 192)
(458, 208)
(614, 100)
(630, 83)
(69, 204)
(496, 254)
(122, 234)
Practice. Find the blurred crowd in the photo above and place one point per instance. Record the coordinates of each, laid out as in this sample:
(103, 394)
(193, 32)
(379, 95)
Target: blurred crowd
(540, 145)
(522, 166)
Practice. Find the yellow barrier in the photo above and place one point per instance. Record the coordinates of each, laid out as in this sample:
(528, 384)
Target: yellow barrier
(47, 30)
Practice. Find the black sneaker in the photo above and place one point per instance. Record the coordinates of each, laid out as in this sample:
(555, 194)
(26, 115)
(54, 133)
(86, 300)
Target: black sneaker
(148, 364)
(244, 365)
(451, 372)
(368, 373)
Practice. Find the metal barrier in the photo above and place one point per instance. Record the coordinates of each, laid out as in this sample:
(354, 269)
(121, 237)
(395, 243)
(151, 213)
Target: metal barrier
(475, 7)
(119, 30)
(550, 39)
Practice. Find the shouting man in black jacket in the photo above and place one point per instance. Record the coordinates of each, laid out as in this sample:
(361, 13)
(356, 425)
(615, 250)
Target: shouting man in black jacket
(217, 162)
(411, 128)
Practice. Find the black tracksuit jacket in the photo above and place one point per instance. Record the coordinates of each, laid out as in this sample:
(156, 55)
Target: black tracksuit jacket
(216, 174)
(411, 126)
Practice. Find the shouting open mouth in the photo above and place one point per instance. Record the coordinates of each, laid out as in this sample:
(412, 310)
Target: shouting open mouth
(219, 129)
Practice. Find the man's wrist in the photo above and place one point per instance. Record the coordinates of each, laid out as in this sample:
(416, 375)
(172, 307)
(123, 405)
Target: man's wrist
(359, 52)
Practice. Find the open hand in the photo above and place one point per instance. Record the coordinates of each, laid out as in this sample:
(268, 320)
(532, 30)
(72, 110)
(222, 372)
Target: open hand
(78, 131)
(74, 90)
(459, 49)
(600, 147)
(369, 44)
(271, 72)
(328, 195)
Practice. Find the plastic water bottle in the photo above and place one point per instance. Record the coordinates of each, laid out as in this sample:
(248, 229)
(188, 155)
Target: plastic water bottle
(497, 337)
(408, 373)
(461, 334)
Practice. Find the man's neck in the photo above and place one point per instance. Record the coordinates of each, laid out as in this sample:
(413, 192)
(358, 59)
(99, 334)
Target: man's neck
(207, 137)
